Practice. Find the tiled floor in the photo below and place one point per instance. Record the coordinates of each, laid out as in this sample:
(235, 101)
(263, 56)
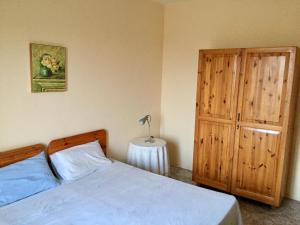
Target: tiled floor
(255, 213)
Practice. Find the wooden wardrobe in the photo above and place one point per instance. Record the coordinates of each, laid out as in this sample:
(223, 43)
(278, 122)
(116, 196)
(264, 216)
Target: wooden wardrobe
(246, 100)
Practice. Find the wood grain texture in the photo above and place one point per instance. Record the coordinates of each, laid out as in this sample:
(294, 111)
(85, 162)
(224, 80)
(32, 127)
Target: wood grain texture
(218, 85)
(214, 154)
(290, 148)
(264, 87)
(288, 124)
(257, 158)
(215, 116)
(19, 154)
(264, 103)
(262, 121)
(68, 142)
(276, 77)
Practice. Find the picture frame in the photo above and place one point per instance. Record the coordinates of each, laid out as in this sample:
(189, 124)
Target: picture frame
(47, 68)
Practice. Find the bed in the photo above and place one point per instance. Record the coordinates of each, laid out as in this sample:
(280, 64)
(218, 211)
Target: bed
(118, 194)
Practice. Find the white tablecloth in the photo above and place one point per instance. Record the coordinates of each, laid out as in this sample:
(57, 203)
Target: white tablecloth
(149, 156)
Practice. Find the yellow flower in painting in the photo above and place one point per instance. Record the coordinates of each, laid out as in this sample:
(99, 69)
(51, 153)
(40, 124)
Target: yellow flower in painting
(54, 68)
(50, 62)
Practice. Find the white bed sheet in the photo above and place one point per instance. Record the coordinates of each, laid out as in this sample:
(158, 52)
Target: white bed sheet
(124, 195)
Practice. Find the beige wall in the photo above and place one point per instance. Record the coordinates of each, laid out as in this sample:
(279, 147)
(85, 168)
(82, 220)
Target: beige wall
(114, 66)
(114, 69)
(198, 24)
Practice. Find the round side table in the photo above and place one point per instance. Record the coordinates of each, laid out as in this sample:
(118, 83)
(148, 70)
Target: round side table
(149, 156)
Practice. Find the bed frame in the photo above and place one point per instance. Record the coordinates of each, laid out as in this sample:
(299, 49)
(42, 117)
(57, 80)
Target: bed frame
(68, 142)
(19, 154)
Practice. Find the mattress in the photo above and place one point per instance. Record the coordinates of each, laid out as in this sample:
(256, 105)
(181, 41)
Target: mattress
(124, 195)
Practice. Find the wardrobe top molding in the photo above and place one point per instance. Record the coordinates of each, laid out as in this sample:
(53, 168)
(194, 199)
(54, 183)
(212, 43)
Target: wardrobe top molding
(291, 49)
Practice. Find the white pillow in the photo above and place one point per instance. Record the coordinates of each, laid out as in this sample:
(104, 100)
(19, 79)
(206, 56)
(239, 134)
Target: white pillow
(78, 161)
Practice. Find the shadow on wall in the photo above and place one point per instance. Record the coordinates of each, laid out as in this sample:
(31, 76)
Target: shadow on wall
(294, 154)
(173, 151)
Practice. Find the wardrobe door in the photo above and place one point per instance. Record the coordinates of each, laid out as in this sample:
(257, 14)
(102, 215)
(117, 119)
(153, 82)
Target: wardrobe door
(215, 117)
(259, 130)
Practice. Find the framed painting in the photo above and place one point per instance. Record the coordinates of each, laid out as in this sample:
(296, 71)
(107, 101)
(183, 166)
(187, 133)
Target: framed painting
(48, 68)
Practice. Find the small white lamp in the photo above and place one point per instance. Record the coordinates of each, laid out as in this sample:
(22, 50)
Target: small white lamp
(142, 121)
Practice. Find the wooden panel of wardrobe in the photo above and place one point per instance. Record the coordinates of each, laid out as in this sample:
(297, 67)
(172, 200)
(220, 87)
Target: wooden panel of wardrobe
(255, 121)
(216, 112)
(215, 144)
(255, 166)
(218, 84)
(264, 87)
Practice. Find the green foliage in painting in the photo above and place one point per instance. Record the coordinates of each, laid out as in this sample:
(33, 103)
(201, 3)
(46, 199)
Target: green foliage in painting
(48, 68)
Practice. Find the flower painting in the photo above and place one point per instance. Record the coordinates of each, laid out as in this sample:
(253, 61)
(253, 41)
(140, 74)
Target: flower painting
(48, 68)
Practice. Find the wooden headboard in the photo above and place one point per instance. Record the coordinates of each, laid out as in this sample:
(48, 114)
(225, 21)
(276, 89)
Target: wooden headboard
(19, 154)
(68, 142)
